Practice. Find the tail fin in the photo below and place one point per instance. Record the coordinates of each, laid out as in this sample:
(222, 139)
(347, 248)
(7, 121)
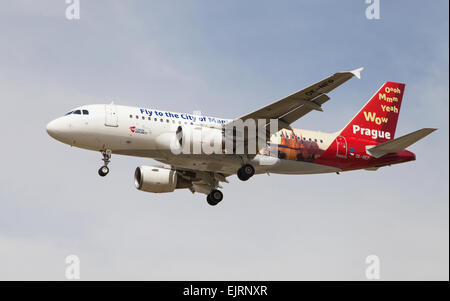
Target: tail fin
(377, 120)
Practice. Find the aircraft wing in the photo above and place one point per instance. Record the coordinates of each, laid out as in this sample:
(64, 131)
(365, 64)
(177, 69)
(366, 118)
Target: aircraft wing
(295, 106)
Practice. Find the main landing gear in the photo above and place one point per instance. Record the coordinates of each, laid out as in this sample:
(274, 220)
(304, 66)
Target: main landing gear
(104, 170)
(245, 172)
(214, 197)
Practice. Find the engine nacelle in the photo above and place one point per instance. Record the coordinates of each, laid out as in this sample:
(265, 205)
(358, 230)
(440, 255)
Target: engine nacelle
(158, 179)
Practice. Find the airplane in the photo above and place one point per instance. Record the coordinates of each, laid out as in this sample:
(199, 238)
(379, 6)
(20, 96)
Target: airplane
(366, 142)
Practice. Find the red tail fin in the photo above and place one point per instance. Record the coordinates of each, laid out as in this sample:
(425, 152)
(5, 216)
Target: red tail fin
(377, 120)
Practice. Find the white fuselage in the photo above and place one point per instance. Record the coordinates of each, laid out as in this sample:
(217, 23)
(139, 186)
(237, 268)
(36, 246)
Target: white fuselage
(145, 132)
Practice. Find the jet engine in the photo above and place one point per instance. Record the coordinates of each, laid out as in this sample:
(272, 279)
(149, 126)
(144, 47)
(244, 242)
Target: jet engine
(159, 179)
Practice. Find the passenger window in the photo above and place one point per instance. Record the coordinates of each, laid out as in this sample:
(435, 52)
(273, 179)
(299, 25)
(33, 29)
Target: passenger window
(143, 117)
(309, 139)
(156, 119)
(315, 140)
(137, 117)
(321, 141)
(85, 112)
(167, 120)
(131, 116)
(149, 118)
(162, 120)
(78, 112)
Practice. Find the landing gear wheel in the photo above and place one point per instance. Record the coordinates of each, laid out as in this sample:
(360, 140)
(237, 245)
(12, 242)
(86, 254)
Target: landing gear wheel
(214, 197)
(210, 202)
(245, 172)
(103, 171)
(241, 175)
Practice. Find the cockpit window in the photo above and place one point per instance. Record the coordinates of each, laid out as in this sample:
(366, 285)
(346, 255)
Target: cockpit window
(69, 113)
(77, 112)
(85, 112)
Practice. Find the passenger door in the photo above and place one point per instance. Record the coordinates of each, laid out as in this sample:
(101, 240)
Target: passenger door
(111, 116)
(341, 146)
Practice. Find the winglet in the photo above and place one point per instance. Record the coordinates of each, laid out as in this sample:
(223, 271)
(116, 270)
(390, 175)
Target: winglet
(357, 72)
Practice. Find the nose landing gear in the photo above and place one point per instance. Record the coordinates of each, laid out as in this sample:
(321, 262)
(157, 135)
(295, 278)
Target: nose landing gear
(104, 170)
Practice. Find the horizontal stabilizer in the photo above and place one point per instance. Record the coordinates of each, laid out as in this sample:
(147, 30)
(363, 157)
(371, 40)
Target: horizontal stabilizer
(398, 144)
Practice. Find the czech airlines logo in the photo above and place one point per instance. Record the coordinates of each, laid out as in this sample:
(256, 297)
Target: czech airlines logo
(136, 130)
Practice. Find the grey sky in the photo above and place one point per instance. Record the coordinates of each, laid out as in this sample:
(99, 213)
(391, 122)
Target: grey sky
(224, 58)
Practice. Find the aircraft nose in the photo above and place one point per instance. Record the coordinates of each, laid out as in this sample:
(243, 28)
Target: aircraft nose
(52, 128)
(55, 129)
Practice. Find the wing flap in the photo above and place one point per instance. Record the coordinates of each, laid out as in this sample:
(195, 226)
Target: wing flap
(307, 106)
